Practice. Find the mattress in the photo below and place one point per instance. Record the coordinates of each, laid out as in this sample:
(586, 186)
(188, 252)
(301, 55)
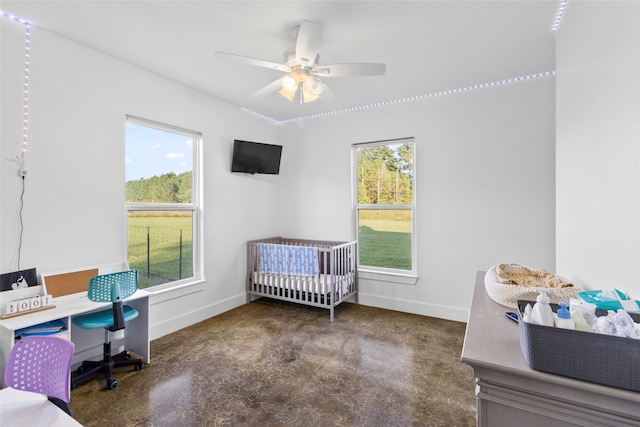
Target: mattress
(319, 285)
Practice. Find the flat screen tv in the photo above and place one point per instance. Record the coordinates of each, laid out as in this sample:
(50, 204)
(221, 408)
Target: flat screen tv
(255, 157)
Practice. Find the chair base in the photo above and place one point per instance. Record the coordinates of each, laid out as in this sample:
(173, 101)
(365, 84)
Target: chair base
(89, 368)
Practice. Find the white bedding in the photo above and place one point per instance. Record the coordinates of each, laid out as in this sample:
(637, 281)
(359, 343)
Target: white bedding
(318, 285)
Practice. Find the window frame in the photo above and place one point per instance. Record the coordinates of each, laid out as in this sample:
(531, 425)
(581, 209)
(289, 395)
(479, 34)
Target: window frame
(195, 205)
(384, 273)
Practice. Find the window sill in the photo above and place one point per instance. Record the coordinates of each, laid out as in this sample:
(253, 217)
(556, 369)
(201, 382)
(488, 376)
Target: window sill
(167, 292)
(380, 276)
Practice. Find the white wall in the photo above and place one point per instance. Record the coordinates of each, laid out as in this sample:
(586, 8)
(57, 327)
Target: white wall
(488, 186)
(485, 177)
(74, 200)
(598, 145)
(484, 182)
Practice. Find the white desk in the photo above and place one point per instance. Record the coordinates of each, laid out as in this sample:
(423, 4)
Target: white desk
(89, 343)
(22, 408)
(509, 393)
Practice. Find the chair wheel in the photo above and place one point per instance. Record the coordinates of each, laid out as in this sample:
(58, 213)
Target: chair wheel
(80, 370)
(126, 357)
(74, 386)
(139, 366)
(111, 384)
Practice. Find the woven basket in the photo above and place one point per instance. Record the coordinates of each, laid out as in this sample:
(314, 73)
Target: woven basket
(508, 295)
(587, 356)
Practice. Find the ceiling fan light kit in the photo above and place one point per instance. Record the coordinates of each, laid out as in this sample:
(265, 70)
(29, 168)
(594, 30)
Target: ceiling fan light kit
(301, 66)
(290, 83)
(302, 82)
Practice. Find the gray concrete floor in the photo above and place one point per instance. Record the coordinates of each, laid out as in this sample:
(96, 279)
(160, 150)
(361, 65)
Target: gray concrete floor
(271, 363)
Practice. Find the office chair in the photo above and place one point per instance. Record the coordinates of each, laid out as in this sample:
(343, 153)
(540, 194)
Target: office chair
(42, 364)
(114, 288)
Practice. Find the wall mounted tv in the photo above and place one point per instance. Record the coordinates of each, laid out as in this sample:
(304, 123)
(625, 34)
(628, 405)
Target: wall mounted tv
(255, 157)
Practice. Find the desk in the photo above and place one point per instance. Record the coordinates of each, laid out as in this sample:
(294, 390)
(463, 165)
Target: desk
(22, 408)
(509, 393)
(89, 343)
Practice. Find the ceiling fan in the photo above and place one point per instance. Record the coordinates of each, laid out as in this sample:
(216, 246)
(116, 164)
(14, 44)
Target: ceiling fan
(303, 78)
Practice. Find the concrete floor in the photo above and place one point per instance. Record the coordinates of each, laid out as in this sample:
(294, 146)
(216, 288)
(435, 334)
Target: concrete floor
(271, 363)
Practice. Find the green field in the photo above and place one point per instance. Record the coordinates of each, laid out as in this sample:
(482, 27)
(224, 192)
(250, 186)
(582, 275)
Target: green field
(154, 244)
(385, 242)
(155, 247)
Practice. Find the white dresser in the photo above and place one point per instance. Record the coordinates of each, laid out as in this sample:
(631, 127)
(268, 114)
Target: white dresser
(509, 393)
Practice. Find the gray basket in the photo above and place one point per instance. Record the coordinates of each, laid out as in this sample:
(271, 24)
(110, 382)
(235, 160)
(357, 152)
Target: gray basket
(602, 359)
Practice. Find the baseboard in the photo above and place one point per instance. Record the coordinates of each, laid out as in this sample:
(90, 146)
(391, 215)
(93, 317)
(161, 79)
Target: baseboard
(456, 314)
(182, 320)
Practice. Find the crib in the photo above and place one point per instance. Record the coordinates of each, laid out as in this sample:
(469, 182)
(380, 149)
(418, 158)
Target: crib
(318, 273)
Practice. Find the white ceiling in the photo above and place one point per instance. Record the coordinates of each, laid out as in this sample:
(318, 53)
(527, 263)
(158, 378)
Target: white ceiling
(428, 46)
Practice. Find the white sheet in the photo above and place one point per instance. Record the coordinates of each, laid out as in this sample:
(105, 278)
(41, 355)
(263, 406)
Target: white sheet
(318, 285)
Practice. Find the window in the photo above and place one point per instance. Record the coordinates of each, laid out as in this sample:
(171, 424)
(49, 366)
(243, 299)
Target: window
(161, 188)
(385, 206)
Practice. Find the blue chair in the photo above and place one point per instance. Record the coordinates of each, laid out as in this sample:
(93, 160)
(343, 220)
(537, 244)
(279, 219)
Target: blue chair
(114, 288)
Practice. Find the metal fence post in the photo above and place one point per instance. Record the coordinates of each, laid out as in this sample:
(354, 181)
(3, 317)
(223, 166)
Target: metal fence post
(148, 253)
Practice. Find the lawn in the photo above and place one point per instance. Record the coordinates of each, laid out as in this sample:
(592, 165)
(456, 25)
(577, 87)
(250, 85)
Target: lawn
(159, 255)
(160, 247)
(385, 242)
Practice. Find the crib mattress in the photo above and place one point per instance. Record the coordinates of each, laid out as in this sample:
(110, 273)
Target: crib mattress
(319, 284)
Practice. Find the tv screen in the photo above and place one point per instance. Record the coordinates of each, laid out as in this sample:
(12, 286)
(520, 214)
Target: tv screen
(255, 157)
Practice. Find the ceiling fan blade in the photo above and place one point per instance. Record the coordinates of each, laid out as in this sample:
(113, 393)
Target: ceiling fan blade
(270, 88)
(327, 94)
(348, 70)
(308, 42)
(253, 61)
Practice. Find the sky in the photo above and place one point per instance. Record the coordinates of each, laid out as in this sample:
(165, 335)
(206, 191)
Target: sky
(152, 152)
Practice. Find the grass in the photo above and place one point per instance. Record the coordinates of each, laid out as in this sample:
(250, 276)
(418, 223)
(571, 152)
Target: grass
(165, 263)
(385, 243)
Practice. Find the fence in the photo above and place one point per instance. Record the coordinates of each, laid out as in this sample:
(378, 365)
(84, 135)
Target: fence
(161, 251)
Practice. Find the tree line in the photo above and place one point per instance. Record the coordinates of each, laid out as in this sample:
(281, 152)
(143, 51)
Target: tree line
(166, 188)
(385, 174)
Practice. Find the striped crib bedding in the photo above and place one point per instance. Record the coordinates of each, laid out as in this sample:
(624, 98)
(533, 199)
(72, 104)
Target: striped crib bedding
(319, 285)
(289, 260)
(310, 272)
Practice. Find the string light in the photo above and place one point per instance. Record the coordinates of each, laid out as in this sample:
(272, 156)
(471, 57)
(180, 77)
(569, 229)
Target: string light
(25, 134)
(262, 116)
(25, 123)
(403, 100)
(27, 59)
(14, 18)
(556, 25)
(556, 22)
(25, 130)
